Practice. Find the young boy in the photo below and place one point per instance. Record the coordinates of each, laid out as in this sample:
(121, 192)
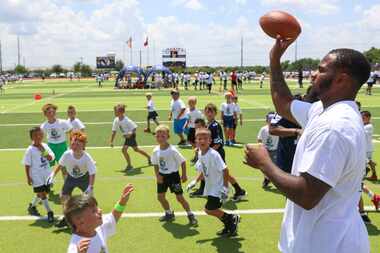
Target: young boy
(56, 130)
(368, 128)
(239, 117)
(80, 168)
(217, 144)
(37, 168)
(166, 160)
(270, 142)
(192, 115)
(228, 116)
(215, 172)
(128, 129)
(90, 229)
(152, 114)
(76, 123)
(178, 114)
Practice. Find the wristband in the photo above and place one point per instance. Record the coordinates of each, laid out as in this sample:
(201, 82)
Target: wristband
(45, 153)
(119, 208)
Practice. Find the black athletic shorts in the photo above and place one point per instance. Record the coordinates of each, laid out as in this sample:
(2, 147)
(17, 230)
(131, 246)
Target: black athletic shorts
(42, 188)
(71, 183)
(222, 153)
(170, 181)
(370, 84)
(131, 141)
(191, 135)
(213, 203)
(152, 115)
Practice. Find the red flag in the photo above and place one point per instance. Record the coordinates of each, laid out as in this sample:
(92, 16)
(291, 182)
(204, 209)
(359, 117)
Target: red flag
(129, 42)
(146, 42)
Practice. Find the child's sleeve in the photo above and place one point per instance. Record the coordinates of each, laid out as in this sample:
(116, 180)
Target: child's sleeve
(219, 163)
(66, 126)
(108, 227)
(27, 158)
(178, 156)
(81, 125)
(91, 165)
(153, 158)
(114, 125)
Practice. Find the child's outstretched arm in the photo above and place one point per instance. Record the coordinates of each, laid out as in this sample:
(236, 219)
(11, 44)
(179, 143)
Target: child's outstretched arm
(120, 205)
(112, 138)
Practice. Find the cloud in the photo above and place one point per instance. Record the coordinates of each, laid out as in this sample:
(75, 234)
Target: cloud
(189, 4)
(322, 7)
(241, 2)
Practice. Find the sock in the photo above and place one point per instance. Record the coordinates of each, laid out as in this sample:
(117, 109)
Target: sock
(189, 213)
(226, 219)
(203, 184)
(35, 201)
(45, 202)
(168, 211)
(237, 187)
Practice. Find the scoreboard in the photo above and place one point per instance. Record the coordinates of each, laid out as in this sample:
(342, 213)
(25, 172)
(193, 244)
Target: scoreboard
(174, 57)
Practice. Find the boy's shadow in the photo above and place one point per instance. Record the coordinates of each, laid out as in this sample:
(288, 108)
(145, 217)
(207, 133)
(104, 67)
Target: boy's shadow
(180, 231)
(135, 171)
(225, 244)
(372, 229)
(231, 205)
(43, 223)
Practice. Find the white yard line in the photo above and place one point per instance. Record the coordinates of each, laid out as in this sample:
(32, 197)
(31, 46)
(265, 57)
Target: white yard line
(109, 123)
(159, 214)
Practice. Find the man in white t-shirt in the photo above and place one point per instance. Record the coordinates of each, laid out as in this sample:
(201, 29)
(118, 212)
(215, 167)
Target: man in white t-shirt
(324, 187)
(178, 114)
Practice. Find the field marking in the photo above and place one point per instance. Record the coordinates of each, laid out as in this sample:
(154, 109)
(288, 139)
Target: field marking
(118, 147)
(110, 123)
(43, 99)
(159, 214)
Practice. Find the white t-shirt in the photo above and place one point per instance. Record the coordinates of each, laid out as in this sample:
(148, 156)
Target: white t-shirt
(332, 149)
(98, 243)
(368, 134)
(126, 126)
(192, 116)
(150, 106)
(270, 141)
(212, 166)
(76, 124)
(227, 109)
(56, 132)
(168, 160)
(176, 107)
(78, 167)
(39, 165)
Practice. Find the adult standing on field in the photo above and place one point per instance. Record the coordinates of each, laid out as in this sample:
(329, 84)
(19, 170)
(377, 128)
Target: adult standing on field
(234, 80)
(324, 187)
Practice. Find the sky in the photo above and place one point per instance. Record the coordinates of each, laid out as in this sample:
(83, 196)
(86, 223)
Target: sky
(67, 31)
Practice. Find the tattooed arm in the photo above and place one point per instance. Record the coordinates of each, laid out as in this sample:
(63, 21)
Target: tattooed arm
(281, 95)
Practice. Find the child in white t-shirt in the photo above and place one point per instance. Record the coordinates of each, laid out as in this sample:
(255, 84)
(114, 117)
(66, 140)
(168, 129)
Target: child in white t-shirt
(90, 228)
(192, 115)
(128, 128)
(152, 114)
(166, 160)
(56, 131)
(228, 117)
(37, 168)
(368, 128)
(80, 169)
(238, 119)
(270, 142)
(76, 123)
(215, 172)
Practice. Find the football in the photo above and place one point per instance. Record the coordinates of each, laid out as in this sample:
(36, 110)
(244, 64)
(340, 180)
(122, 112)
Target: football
(280, 23)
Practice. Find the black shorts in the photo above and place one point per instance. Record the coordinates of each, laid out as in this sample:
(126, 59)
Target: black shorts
(71, 183)
(131, 141)
(213, 203)
(42, 188)
(171, 181)
(370, 84)
(191, 135)
(152, 115)
(234, 82)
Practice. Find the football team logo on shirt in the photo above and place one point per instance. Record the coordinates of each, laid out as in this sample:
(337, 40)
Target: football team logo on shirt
(44, 162)
(76, 171)
(162, 164)
(54, 133)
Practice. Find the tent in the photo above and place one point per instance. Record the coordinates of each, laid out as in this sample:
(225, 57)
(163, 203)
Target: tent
(155, 69)
(128, 70)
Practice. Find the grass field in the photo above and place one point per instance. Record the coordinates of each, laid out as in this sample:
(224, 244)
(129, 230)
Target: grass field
(260, 226)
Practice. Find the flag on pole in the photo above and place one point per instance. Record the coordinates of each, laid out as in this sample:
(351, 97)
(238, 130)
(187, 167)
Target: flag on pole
(146, 42)
(129, 42)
